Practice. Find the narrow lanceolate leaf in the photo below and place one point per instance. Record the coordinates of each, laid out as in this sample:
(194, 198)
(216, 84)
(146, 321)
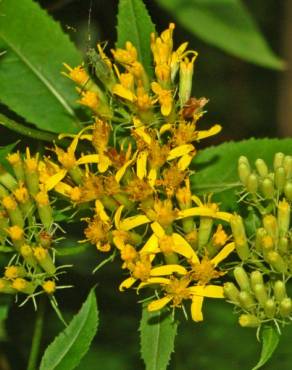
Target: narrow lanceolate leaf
(135, 25)
(270, 340)
(226, 24)
(5, 150)
(157, 332)
(31, 83)
(68, 348)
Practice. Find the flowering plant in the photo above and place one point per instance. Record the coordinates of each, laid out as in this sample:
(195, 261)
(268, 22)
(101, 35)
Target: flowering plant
(127, 177)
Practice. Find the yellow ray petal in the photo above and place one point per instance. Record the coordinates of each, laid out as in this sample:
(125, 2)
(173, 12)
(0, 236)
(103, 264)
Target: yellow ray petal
(184, 162)
(166, 108)
(211, 291)
(120, 173)
(197, 200)
(206, 133)
(158, 304)
(152, 176)
(99, 209)
(126, 284)
(179, 151)
(117, 217)
(142, 164)
(63, 188)
(168, 270)
(154, 280)
(103, 163)
(122, 92)
(196, 308)
(158, 229)
(90, 158)
(151, 246)
(164, 128)
(133, 221)
(225, 216)
(55, 179)
(223, 253)
(182, 247)
(196, 211)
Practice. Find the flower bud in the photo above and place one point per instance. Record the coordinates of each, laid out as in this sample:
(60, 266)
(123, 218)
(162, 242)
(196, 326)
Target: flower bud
(278, 160)
(256, 278)
(23, 286)
(267, 188)
(231, 292)
(44, 209)
(246, 300)
(277, 262)
(243, 159)
(44, 259)
(261, 167)
(243, 172)
(270, 308)
(260, 234)
(261, 294)
(271, 226)
(249, 321)
(242, 278)
(49, 287)
(288, 190)
(13, 211)
(252, 183)
(185, 80)
(204, 233)
(283, 245)
(240, 239)
(267, 245)
(283, 216)
(287, 164)
(13, 272)
(285, 307)
(27, 253)
(280, 178)
(7, 180)
(16, 163)
(5, 287)
(279, 290)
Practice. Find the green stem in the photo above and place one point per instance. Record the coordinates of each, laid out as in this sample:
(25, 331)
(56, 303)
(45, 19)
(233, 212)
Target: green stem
(26, 131)
(37, 336)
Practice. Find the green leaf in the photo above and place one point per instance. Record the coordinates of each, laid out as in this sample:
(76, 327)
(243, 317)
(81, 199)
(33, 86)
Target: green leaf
(4, 151)
(217, 166)
(270, 340)
(31, 83)
(226, 24)
(135, 25)
(158, 332)
(68, 348)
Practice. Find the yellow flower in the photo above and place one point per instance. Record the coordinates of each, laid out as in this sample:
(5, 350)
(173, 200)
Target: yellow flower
(49, 286)
(90, 99)
(76, 74)
(177, 290)
(164, 97)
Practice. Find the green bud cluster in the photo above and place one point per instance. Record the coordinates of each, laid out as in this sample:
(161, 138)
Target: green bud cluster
(263, 183)
(258, 301)
(26, 227)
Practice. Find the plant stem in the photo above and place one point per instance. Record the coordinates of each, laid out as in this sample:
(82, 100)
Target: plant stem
(26, 131)
(37, 336)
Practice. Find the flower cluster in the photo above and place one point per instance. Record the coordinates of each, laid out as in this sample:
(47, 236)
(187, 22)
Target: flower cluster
(138, 186)
(27, 228)
(265, 244)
